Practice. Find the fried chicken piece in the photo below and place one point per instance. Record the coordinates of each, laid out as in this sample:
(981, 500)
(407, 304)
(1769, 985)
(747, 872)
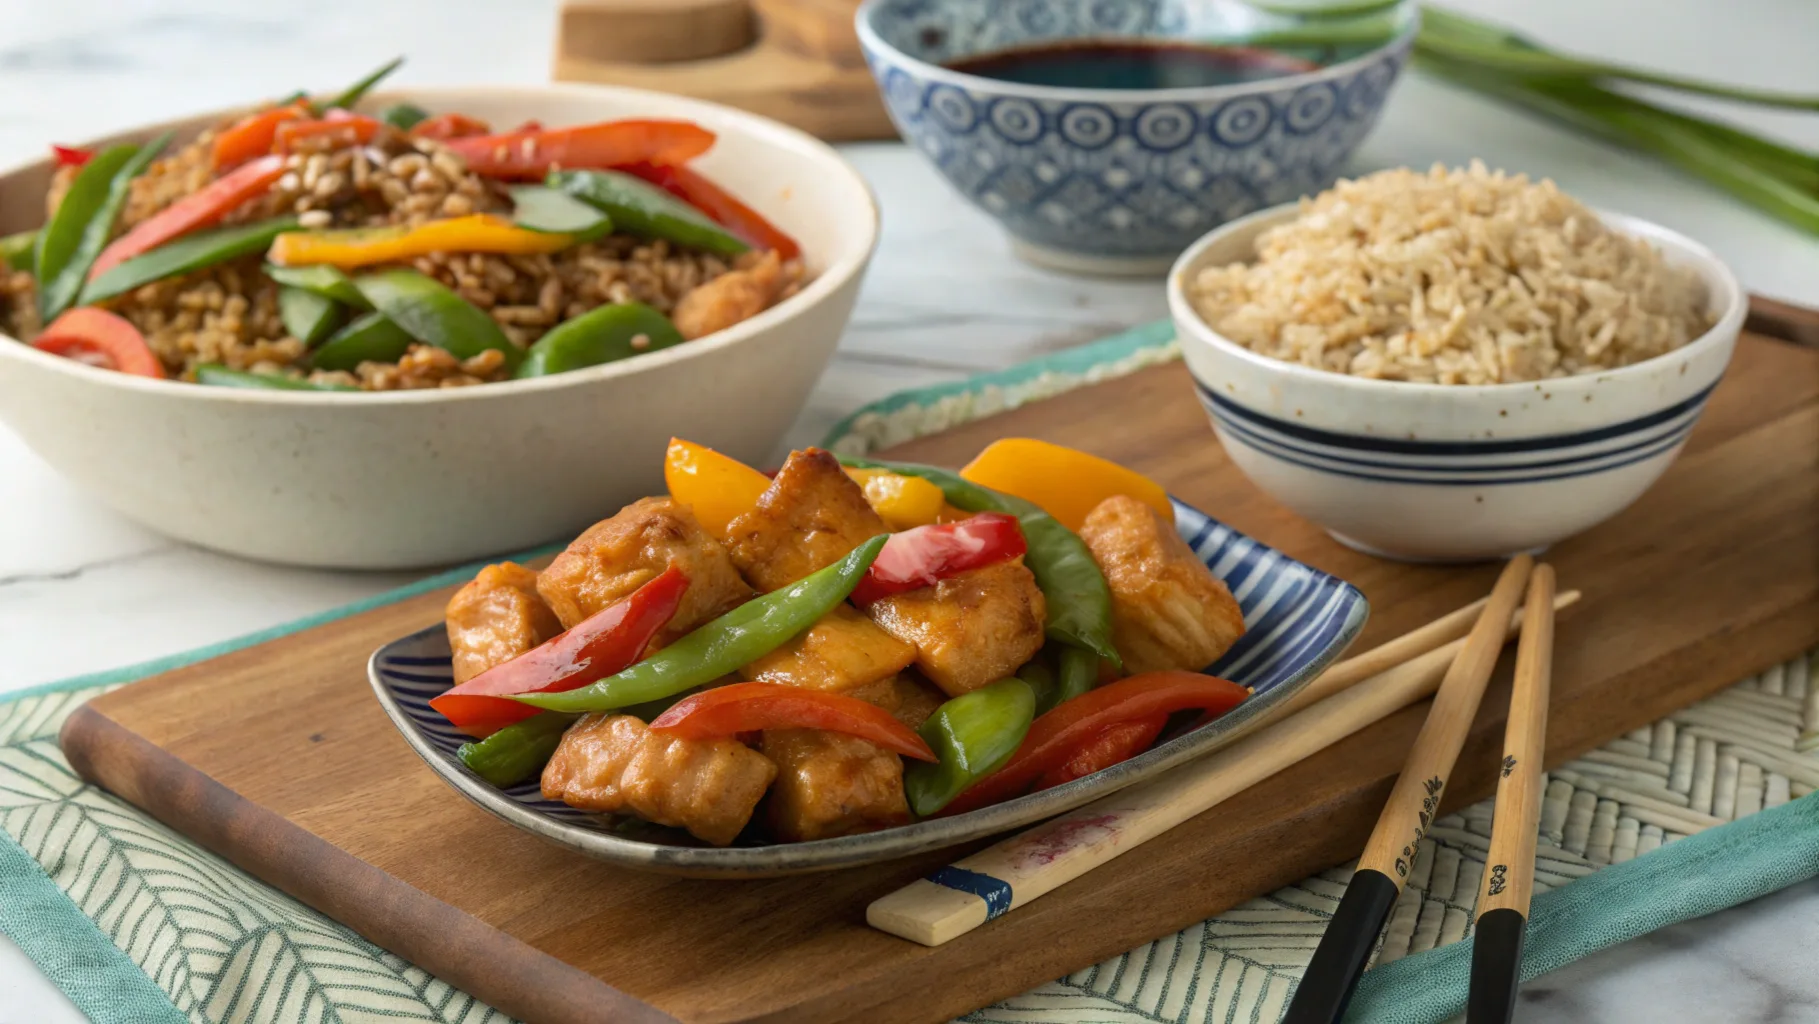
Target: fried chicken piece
(972, 629)
(1168, 610)
(613, 763)
(617, 556)
(730, 298)
(907, 696)
(844, 650)
(495, 617)
(830, 784)
(811, 516)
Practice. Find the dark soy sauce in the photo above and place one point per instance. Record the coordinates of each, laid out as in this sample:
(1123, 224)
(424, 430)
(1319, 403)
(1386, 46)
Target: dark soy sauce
(1131, 64)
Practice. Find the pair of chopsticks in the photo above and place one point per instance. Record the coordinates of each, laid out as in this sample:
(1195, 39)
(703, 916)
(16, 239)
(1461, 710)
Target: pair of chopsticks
(1503, 901)
(1349, 697)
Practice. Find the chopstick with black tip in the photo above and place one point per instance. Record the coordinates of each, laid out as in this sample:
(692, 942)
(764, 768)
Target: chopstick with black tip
(1509, 873)
(1350, 936)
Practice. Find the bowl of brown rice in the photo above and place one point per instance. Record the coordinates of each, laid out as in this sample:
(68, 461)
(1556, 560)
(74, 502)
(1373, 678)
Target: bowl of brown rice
(1452, 364)
(429, 454)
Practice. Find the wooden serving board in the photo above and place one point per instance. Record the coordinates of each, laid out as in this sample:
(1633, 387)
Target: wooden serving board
(278, 757)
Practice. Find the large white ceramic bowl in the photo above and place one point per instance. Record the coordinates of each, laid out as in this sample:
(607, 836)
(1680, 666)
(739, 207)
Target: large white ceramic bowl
(417, 478)
(1435, 472)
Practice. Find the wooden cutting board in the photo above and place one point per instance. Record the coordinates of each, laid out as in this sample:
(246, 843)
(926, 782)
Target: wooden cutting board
(278, 758)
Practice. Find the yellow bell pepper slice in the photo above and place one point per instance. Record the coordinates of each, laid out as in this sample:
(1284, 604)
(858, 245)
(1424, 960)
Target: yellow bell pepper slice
(1067, 483)
(716, 488)
(360, 247)
(903, 502)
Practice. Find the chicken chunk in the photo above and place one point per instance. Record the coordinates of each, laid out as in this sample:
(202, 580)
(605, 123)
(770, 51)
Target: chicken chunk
(829, 784)
(844, 650)
(1168, 609)
(730, 298)
(614, 764)
(972, 629)
(907, 696)
(495, 617)
(812, 515)
(617, 556)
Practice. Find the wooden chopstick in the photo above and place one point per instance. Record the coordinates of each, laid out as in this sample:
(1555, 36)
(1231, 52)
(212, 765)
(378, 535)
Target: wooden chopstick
(1011, 873)
(1339, 960)
(1509, 876)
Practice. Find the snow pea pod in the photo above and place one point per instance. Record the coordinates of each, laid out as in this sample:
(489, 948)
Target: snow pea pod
(369, 339)
(739, 637)
(973, 735)
(308, 317)
(216, 375)
(79, 230)
(430, 312)
(552, 212)
(1079, 602)
(321, 278)
(640, 208)
(191, 252)
(516, 752)
(601, 335)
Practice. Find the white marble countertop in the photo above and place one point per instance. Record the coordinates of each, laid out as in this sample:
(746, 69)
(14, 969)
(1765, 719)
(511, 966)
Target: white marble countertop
(82, 589)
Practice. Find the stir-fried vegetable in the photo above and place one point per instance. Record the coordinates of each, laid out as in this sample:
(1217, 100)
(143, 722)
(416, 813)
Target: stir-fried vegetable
(711, 199)
(252, 136)
(530, 155)
(972, 735)
(71, 156)
(597, 647)
(516, 752)
(602, 335)
(16, 249)
(1066, 482)
(78, 231)
(903, 502)
(428, 311)
(1076, 671)
(545, 209)
(372, 338)
(351, 248)
(751, 707)
(716, 488)
(309, 317)
(340, 129)
(185, 255)
(321, 278)
(1115, 743)
(645, 210)
(738, 638)
(100, 338)
(191, 213)
(450, 126)
(404, 116)
(927, 555)
(1079, 602)
(216, 375)
(353, 93)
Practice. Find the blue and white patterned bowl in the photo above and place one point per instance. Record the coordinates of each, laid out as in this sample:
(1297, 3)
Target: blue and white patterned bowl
(1115, 180)
(1298, 621)
(1443, 472)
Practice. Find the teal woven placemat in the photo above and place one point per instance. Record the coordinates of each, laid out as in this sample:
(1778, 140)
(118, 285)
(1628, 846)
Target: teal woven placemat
(140, 926)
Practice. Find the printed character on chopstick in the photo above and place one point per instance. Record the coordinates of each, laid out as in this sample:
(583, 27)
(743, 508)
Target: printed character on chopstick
(854, 645)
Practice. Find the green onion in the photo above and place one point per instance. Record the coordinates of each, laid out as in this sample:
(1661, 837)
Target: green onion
(354, 92)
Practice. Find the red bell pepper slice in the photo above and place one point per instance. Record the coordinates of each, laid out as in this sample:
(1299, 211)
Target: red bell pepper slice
(1119, 742)
(530, 155)
(1065, 731)
(456, 126)
(71, 156)
(252, 136)
(726, 211)
(750, 707)
(100, 338)
(193, 212)
(600, 645)
(339, 126)
(927, 555)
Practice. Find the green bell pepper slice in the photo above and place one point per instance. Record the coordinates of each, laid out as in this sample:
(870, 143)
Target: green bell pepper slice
(326, 281)
(516, 752)
(1079, 601)
(75, 236)
(738, 638)
(403, 116)
(973, 735)
(371, 338)
(640, 208)
(186, 254)
(601, 335)
(16, 251)
(545, 209)
(308, 317)
(216, 375)
(430, 312)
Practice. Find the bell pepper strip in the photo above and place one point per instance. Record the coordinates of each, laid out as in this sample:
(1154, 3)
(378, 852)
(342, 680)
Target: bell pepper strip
(216, 375)
(307, 316)
(926, 555)
(598, 646)
(544, 209)
(405, 116)
(604, 334)
(100, 338)
(368, 339)
(193, 212)
(252, 136)
(973, 736)
(340, 132)
(16, 250)
(326, 281)
(697, 191)
(184, 255)
(516, 752)
(1067, 483)
(352, 248)
(1056, 737)
(1079, 601)
(431, 312)
(531, 154)
(753, 707)
(739, 637)
(903, 502)
(716, 488)
(640, 208)
(448, 126)
(71, 156)
(78, 230)
(1115, 743)
(353, 93)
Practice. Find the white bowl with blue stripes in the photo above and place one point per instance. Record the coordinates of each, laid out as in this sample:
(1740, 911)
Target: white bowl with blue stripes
(1298, 620)
(1441, 472)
